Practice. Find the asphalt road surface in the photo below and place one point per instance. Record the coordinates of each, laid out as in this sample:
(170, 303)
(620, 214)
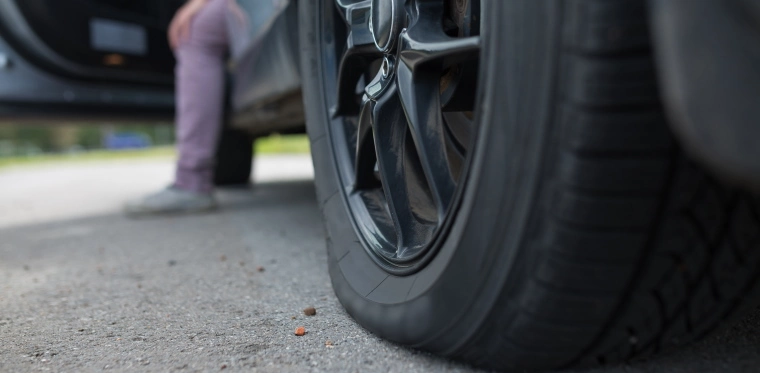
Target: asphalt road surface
(82, 288)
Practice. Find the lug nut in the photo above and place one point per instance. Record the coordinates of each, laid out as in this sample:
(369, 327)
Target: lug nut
(386, 67)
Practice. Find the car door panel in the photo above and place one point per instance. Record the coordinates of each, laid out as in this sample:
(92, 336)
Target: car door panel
(82, 71)
(86, 39)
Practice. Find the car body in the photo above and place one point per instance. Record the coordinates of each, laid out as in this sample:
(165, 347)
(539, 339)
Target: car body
(109, 60)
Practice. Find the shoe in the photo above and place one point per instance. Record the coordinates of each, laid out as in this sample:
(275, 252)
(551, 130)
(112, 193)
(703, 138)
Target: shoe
(171, 200)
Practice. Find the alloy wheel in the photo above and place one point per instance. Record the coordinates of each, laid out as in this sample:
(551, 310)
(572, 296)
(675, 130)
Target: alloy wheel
(404, 75)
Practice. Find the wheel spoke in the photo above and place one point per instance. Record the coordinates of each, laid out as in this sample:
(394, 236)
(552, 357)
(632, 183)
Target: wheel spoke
(365, 148)
(360, 52)
(390, 140)
(426, 42)
(346, 6)
(440, 49)
(460, 127)
(420, 98)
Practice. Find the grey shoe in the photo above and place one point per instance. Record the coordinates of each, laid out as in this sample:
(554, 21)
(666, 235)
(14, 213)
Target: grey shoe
(171, 201)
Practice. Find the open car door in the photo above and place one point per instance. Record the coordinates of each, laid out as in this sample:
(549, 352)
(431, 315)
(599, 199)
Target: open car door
(86, 59)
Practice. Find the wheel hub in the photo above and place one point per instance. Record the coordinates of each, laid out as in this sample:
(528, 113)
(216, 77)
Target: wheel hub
(385, 23)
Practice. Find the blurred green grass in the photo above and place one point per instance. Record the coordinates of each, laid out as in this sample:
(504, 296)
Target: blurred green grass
(278, 144)
(275, 144)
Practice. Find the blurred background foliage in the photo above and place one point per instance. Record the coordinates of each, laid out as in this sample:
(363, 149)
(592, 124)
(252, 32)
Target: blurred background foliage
(34, 143)
(31, 139)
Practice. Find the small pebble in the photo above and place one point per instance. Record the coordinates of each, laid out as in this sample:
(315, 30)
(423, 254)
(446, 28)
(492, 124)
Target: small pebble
(300, 331)
(172, 263)
(309, 311)
(260, 269)
(329, 344)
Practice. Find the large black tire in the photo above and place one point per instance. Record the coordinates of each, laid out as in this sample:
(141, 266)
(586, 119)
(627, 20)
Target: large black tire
(582, 237)
(234, 158)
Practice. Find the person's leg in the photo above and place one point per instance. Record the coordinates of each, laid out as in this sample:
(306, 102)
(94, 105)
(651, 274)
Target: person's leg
(200, 100)
(200, 97)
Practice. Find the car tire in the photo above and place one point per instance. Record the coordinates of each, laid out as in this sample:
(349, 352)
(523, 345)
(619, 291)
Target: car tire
(234, 158)
(579, 234)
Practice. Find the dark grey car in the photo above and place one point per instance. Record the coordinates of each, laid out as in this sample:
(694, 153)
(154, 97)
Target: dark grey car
(520, 184)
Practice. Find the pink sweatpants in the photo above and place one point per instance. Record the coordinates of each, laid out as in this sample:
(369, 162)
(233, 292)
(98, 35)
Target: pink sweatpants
(200, 97)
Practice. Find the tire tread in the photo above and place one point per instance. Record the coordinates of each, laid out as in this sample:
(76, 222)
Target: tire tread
(634, 234)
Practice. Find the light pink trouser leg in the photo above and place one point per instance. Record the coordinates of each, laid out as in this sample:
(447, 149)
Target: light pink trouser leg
(200, 97)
